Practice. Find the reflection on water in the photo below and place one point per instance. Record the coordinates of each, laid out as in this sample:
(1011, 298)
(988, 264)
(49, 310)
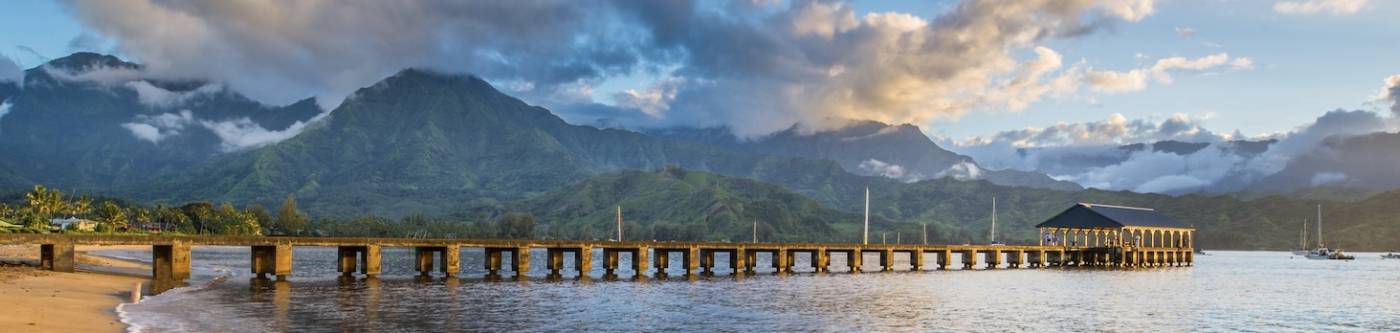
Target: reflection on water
(1226, 291)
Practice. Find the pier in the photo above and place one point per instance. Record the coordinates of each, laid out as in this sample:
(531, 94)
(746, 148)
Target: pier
(1085, 235)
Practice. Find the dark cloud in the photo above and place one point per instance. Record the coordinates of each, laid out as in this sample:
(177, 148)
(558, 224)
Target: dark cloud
(756, 65)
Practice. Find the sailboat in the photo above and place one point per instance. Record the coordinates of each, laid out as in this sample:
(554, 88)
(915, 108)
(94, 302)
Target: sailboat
(1322, 252)
(1302, 241)
(994, 222)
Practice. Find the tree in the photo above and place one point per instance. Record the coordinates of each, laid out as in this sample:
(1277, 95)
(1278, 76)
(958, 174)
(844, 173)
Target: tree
(44, 203)
(289, 219)
(264, 219)
(518, 225)
(112, 215)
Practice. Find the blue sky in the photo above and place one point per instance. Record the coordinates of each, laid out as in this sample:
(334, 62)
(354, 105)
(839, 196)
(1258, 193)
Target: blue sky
(1303, 64)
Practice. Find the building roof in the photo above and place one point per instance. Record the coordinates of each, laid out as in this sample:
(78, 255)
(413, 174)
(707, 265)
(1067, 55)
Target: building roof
(1086, 215)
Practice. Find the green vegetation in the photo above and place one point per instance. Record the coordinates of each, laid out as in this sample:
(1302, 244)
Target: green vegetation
(42, 205)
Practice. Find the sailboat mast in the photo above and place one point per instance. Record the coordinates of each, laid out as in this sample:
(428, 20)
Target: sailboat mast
(865, 237)
(1303, 236)
(994, 220)
(1319, 227)
(619, 223)
(755, 231)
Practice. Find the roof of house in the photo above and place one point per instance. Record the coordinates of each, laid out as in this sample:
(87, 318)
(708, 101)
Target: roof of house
(1086, 215)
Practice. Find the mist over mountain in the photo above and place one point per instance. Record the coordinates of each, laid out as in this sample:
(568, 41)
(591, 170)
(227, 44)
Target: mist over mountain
(90, 122)
(1362, 162)
(868, 148)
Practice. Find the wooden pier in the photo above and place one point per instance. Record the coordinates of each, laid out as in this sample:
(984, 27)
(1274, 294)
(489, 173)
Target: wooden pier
(272, 256)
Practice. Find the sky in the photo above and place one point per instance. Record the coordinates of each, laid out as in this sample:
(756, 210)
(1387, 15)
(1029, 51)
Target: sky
(978, 76)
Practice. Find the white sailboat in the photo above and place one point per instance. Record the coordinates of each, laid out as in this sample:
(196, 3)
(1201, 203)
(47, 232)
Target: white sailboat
(1302, 240)
(1322, 252)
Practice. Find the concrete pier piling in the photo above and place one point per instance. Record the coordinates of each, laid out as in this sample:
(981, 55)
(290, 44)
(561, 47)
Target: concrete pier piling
(362, 258)
(170, 262)
(272, 259)
(57, 257)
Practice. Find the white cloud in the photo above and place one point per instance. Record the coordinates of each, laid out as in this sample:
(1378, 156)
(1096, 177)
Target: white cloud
(1326, 178)
(158, 127)
(243, 133)
(1160, 71)
(154, 96)
(1334, 7)
(889, 170)
(1391, 93)
(99, 74)
(4, 109)
(964, 170)
(1115, 130)
(1186, 32)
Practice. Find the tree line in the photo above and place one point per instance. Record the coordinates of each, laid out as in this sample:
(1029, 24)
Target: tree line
(36, 211)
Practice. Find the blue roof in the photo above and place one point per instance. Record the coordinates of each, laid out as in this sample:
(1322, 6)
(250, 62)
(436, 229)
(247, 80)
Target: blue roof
(1086, 215)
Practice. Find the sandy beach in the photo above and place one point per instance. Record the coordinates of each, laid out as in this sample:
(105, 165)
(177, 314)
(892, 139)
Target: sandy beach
(85, 301)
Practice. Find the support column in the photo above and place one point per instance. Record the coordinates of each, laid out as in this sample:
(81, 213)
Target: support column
(854, 259)
(820, 260)
(1041, 258)
(916, 259)
(738, 261)
(692, 260)
(780, 260)
(451, 260)
(707, 262)
(57, 257)
(272, 259)
(887, 260)
(1016, 258)
(493, 261)
(554, 261)
(423, 260)
(583, 260)
(993, 259)
(347, 259)
(663, 260)
(519, 261)
(369, 261)
(640, 260)
(945, 259)
(610, 262)
(171, 262)
(969, 259)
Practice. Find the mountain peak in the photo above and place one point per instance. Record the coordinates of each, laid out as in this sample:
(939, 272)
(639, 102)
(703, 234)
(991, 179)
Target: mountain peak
(83, 60)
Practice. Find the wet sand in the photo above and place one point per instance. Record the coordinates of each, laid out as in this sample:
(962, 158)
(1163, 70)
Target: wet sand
(37, 300)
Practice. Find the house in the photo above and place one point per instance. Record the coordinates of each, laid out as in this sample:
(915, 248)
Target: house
(73, 223)
(1095, 225)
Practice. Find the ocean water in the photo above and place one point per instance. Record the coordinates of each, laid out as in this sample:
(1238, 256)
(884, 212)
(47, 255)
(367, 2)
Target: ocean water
(1224, 291)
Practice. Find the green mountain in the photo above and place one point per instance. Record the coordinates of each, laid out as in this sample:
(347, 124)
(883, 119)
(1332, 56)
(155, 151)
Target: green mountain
(75, 124)
(868, 148)
(691, 205)
(676, 204)
(421, 142)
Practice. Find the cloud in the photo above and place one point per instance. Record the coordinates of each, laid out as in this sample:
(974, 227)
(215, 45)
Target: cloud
(757, 66)
(243, 133)
(1391, 93)
(1115, 130)
(151, 95)
(1334, 7)
(10, 70)
(1306, 139)
(1160, 71)
(889, 170)
(158, 127)
(1186, 32)
(4, 109)
(964, 170)
(96, 73)
(1325, 178)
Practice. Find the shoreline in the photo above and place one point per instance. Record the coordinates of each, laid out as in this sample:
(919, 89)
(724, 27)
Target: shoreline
(83, 301)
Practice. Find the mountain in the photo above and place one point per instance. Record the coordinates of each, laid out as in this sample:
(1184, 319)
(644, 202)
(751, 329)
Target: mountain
(422, 142)
(92, 123)
(867, 148)
(1365, 162)
(677, 204)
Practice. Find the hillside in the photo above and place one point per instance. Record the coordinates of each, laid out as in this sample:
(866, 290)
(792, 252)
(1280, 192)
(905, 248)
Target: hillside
(867, 148)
